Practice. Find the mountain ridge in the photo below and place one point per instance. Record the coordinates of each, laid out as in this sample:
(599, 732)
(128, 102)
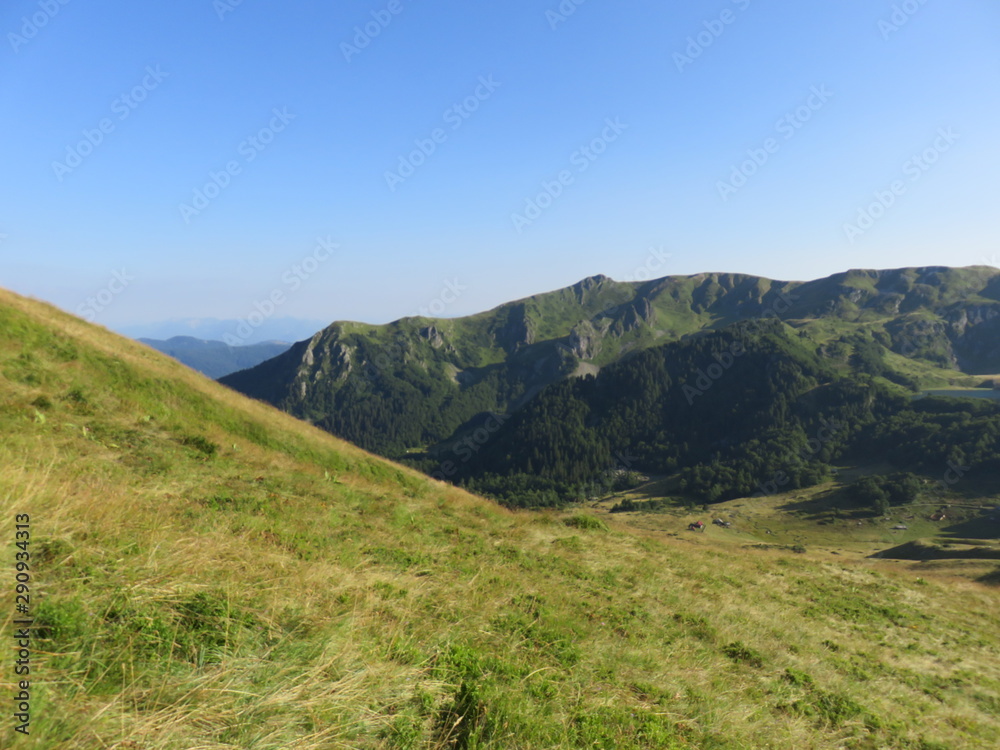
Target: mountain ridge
(497, 360)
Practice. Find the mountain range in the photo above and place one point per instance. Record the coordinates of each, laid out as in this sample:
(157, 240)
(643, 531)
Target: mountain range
(216, 358)
(529, 387)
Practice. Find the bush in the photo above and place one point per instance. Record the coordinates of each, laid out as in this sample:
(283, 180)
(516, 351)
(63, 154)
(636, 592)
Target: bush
(798, 677)
(740, 652)
(584, 521)
(200, 444)
(869, 491)
(42, 402)
(61, 620)
(829, 708)
(626, 480)
(627, 505)
(880, 493)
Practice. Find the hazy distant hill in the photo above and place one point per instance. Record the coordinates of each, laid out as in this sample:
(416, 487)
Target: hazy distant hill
(232, 331)
(216, 358)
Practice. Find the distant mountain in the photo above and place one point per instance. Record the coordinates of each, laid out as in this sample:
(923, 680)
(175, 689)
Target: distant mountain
(233, 332)
(216, 358)
(415, 382)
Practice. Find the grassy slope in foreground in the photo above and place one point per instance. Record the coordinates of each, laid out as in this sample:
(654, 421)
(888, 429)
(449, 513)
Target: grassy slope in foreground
(208, 572)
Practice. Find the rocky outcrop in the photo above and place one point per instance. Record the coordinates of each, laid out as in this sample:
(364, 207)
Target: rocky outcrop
(975, 333)
(433, 336)
(965, 317)
(639, 313)
(516, 329)
(584, 341)
(636, 314)
(583, 286)
(323, 358)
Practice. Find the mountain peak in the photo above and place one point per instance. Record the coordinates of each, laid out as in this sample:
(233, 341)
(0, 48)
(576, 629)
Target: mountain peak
(585, 285)
(591, 281)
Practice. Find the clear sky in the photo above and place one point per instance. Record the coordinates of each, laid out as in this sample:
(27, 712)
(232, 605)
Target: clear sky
(461, 153)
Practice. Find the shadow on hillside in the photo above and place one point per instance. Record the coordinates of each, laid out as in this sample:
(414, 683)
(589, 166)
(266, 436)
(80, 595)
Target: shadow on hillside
(658, 487)
(830, 502)
(974, 528)
(991, 579)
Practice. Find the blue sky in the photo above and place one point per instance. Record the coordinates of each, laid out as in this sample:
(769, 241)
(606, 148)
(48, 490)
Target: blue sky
(532, 143)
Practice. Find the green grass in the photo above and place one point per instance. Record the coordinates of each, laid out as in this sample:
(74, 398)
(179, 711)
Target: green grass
(207, 572)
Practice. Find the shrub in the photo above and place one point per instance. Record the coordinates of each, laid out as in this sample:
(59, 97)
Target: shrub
(830, 708)
(42, 402)
(798, 677)
(740, 652)
(200, 444)
(60, 620)
(587, 522)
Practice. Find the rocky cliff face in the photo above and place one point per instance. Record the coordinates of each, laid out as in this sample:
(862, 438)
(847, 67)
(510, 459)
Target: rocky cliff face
(639, 313)
(325, 359)
(975, 334)
(433, 336)
(515, 330)
(581, 288)
(584, 341)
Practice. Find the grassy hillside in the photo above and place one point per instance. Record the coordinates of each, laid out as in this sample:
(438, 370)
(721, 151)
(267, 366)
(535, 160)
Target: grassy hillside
(209, 573)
